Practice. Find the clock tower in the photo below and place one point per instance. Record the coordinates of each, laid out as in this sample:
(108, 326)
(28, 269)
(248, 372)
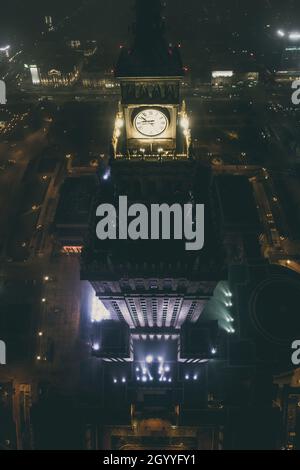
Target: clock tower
(151, 120)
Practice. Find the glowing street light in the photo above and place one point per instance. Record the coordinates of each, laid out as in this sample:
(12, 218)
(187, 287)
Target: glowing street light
(280, 33)
(214, 351)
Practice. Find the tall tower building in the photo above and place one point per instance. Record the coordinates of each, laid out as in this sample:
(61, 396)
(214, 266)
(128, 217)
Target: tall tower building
(150, 71)
(154, 286)
(150, 294)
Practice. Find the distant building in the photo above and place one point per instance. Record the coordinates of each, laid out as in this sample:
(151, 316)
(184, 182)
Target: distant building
(55, 67)
(49, 23)
(223, 78)
(73, 212)
(94, 76)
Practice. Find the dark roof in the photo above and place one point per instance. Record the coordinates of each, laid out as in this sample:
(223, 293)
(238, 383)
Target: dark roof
(152, 62)
(75, 201)
(236, 202)
(150, 55)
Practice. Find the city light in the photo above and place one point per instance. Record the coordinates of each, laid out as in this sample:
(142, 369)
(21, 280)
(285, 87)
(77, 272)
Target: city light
(214, 351)
(123, 380)
(115, 381)
(281, 33)
(35, 76)
(149, 359)
(106, 175)
(187, 377)
(222, 74)
(294, 36)
(96, 347)
(99, 312)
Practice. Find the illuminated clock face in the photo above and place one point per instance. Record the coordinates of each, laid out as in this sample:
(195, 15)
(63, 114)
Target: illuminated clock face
(151, 122)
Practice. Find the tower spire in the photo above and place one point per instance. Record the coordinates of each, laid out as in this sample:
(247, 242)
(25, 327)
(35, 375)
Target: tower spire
(150, 54)
(149, 24)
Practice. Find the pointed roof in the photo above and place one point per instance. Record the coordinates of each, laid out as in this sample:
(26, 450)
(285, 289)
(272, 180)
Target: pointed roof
(149, 55)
